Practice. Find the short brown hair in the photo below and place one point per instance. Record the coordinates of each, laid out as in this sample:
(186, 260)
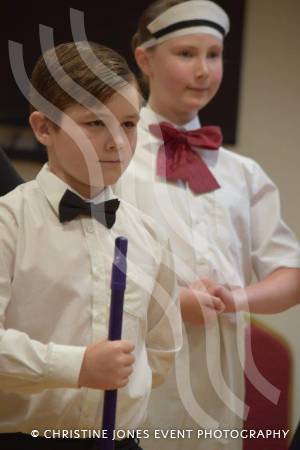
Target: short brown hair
(67, 74)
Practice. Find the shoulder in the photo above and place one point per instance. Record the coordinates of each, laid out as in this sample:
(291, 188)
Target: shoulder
(12, 204)
(248, 167)
(236, 158)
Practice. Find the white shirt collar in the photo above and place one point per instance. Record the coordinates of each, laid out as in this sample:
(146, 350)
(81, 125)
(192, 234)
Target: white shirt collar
(148, 117)
(54, 188)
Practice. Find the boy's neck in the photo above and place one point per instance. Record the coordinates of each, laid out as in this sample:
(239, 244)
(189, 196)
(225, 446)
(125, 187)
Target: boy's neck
(176, 117)
(85, 191)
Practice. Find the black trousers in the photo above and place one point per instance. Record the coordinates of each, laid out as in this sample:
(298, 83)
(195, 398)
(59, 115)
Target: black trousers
(19, 441)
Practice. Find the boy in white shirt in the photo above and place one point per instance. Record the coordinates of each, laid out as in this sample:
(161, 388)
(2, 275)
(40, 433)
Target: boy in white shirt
(56, 248)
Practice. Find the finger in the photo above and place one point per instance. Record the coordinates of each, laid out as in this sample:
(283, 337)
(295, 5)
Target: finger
(128, 360)
(213, 302)
(126, 372)
(218, 291)
(206, 300)
(127, 346)
(122, 383)
(218, 304)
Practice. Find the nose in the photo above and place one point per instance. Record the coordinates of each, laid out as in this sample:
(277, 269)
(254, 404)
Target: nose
(116, 140)
(201, 69)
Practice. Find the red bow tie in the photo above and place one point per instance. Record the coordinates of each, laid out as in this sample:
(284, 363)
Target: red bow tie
(177, 161)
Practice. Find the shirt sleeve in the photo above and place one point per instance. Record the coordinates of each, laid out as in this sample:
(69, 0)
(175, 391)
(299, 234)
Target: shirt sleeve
(28, 366)
(164, 337)
(273, 244)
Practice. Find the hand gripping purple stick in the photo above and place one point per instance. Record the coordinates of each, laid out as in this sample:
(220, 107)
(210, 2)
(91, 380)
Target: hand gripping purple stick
(118, 285)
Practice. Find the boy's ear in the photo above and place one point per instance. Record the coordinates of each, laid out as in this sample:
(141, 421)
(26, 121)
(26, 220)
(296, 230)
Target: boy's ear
(42, 127)
(143, 60)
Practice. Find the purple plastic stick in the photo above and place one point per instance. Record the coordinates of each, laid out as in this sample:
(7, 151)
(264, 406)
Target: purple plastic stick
(118, 286)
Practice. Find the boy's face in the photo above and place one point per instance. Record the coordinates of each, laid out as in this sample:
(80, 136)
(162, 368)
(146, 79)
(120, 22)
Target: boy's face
(90, 150)
(185, 73)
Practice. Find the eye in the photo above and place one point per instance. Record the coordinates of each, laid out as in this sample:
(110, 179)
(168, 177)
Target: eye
(129, 124)
(186, 53)
(213, 54)
(95, 124)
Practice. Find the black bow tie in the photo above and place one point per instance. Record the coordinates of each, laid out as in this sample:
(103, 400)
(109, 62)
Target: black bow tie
(71, 206)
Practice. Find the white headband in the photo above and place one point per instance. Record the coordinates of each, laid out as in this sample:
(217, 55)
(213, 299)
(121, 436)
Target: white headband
(189, 17)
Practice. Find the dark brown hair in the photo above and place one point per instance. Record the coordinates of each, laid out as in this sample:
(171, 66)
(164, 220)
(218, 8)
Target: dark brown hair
(69, 73)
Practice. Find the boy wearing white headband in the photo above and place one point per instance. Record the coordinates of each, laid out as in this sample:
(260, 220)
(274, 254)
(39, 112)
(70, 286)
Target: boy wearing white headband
(213, 204)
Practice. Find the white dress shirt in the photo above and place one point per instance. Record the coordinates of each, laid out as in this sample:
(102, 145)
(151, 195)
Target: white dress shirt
(54, 301)
(227, 235)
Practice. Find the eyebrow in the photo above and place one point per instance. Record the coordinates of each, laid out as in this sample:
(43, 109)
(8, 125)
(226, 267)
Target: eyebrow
(193, 47)
(100, 115)
(133, 116)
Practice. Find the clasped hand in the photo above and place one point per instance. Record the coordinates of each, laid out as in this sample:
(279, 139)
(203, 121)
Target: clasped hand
(204, 299)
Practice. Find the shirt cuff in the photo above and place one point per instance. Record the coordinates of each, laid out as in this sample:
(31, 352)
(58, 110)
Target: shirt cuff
(266, 270)
(64, 366)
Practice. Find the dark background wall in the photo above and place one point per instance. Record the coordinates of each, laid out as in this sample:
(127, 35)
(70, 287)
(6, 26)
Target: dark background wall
(111, 23)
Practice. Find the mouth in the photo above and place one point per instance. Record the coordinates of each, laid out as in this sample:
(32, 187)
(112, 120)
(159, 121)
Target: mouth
(110, 162)
(204, 89)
